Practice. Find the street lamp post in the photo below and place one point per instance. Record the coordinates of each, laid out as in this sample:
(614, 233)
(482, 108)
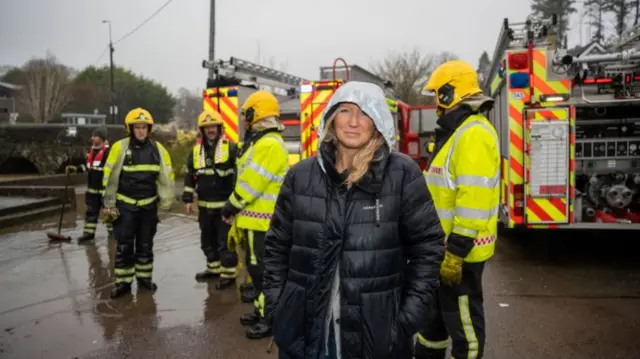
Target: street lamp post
(113, 110)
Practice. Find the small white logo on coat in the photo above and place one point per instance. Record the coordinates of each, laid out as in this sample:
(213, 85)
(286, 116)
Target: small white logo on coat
(369, 208)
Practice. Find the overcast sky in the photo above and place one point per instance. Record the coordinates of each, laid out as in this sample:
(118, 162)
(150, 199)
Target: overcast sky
(298, 34)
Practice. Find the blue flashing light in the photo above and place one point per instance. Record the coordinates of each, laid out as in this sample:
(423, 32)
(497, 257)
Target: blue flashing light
(519, 80)
(232, 93)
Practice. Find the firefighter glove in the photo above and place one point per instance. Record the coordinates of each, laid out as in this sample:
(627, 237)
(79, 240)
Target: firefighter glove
(451, 269)
(229, 210)
(110, 215)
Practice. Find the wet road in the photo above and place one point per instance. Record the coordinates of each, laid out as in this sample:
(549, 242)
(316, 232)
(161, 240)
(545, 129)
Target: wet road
(547, 296)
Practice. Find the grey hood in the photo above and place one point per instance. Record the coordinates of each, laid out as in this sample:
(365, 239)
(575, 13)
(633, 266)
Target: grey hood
(371, 100)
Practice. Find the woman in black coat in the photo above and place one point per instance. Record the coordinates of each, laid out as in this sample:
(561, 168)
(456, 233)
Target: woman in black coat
(354, 249)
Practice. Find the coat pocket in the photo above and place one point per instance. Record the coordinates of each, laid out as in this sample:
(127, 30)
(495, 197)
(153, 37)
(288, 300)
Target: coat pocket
(289, 317)
(378, 312)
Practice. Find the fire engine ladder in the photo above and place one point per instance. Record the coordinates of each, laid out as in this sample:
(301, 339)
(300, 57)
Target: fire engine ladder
(518, 34)
(276, 81)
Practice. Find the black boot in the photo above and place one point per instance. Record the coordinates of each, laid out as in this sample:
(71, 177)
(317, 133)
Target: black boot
(120, 289)
(250, 319)
(86, 237)
(146, 284)
(225, 283)
(259, 331)
(206, 275)
(249, 295)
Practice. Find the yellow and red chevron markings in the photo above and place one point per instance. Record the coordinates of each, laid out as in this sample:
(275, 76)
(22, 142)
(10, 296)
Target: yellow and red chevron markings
(227, 99)
(312, 105)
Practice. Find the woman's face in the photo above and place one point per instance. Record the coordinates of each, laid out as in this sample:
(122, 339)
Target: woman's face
(353, 127)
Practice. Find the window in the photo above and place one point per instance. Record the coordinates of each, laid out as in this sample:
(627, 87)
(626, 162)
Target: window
(423, 120)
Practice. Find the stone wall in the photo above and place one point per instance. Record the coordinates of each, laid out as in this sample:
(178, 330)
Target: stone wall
(49, 147)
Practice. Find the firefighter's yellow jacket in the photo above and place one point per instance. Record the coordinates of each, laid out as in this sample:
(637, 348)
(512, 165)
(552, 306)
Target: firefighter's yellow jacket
(261, 170)
(463, 178)
(116, 164)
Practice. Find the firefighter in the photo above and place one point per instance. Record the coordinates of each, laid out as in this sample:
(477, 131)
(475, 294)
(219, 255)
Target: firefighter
(93, 197)
(463, 178)
(138, 179)
(210, 172)
(262, 164)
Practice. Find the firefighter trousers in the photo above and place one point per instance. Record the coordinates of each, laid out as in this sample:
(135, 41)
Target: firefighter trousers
(93, 204)
(134, 230)
(213, 241)
(254, 260)
(457, 313)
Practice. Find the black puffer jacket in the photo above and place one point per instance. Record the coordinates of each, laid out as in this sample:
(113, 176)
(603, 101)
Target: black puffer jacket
(386, 236)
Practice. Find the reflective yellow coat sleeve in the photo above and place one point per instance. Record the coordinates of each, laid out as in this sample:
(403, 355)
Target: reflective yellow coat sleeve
(166, 186)
(267, 161)
(475, 163)
(114, 153)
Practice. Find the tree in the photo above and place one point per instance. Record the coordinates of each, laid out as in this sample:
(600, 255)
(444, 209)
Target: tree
(45, 88)
(187, 108)
(561, 8)
(596, 10)
(132, 91)
(621, 10)
(484, 67)
(409, 71)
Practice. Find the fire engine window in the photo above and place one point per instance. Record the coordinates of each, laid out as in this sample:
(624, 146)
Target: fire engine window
(414, 121)
(428, 118)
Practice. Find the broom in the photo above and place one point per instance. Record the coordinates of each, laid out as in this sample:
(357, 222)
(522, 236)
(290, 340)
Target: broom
(56, 237)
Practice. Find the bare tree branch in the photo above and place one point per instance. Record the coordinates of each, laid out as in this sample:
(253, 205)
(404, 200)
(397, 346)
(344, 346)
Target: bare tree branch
(45, 89)
(409, 71)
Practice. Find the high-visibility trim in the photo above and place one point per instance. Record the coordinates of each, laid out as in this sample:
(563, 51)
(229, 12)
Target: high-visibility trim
(225, 173)
(211, 205)
(393, 104)
(144, 267)
(95, 191)
(237, 201)
(138, 202)
(515, 163)
(124, 275)
(226, 272)
(467, 327)
(227, 98)
(440, 344)
(258, 303)
(90, 225)
(188, 189)
(244, 186)
(253, 260)
(213, 267)
(145, 275)
(141, 168)
(263, 172)
(89, 230)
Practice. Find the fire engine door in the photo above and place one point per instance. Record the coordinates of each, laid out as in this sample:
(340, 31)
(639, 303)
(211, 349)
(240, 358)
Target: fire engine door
(547, 156)
(320, 96)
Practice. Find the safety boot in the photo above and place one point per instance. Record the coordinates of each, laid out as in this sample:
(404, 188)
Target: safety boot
(120, 289)
(250, 319)
(206, 275)
(86, 237)
(225, 283)
(259, 331)
(147, 284)
(249, 294)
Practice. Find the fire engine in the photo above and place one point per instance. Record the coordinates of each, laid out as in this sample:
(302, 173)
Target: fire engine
(235, 79)
(413, 123)
(569, 129)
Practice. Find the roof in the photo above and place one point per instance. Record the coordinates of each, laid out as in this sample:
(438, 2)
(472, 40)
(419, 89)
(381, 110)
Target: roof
(10, 86)
(594, 47)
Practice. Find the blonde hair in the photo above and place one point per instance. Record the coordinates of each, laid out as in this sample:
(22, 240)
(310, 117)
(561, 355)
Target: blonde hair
(363, 158)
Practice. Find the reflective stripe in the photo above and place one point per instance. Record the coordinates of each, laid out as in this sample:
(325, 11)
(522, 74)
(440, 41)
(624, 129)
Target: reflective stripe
(228, 272)
(465, 232)
(478, 181)
(468, 213)
(253, 260)
(97, 169)
(441, 344)
(137, 202)
(188, 189)
(144, 267)
(90, 225)
(246, 187)
(142, 168)
(124, 275)
(238, 203)
(211, 205)
(95, 191)
(213, 267)
(467, 327)
(264, 173)
(224, 173)
(205, 172)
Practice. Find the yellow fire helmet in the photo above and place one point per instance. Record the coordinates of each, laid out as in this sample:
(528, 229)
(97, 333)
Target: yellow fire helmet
(451, 82)
(261, 104)
(138, 115)
(209, 118)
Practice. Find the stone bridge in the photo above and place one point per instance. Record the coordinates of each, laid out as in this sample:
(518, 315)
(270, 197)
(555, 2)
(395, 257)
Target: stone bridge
(48, 148)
